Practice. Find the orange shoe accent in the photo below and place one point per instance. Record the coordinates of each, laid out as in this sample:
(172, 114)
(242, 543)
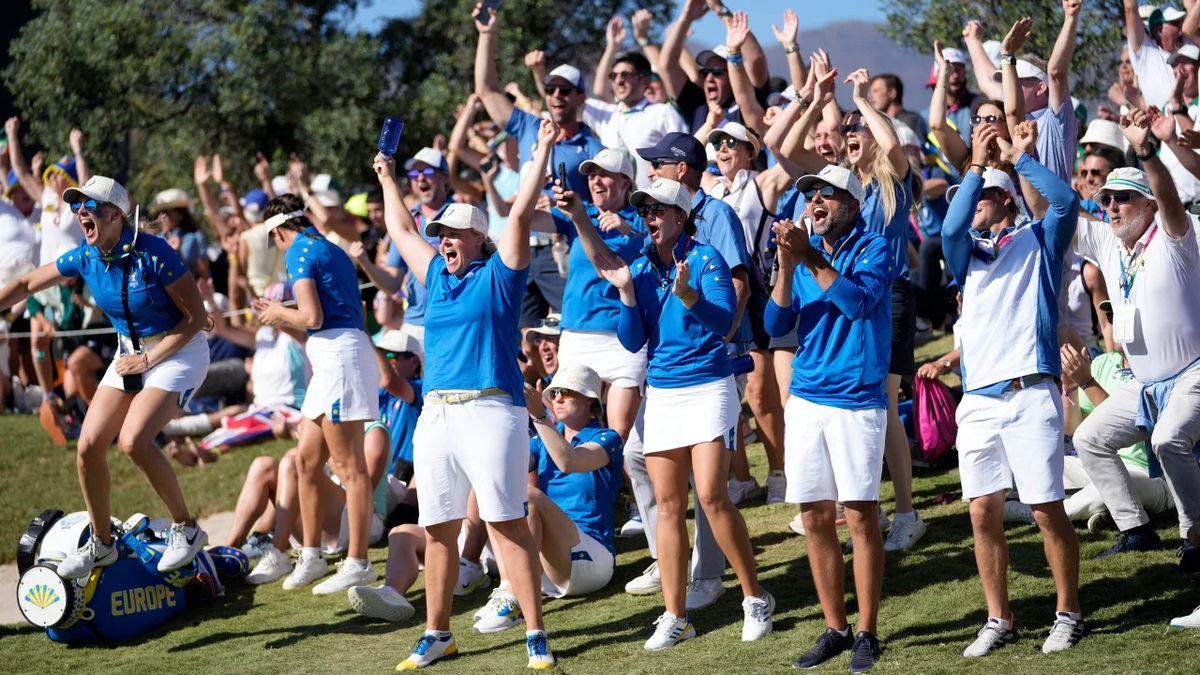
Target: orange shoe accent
(52, 423)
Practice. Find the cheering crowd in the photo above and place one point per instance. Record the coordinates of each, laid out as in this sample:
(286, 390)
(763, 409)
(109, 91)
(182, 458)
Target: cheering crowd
(572, 295)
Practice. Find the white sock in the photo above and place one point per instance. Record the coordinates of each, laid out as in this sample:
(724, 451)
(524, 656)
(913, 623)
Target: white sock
(357, 563)
(910, 517)
(1074, 616)
(310, 552)
(1003, 623)
(437, 633)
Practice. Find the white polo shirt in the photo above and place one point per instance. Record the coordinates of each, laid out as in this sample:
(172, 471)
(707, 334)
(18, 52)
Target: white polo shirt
(16, 242)
(620, 126)
(1165, 290)
(1155, 76)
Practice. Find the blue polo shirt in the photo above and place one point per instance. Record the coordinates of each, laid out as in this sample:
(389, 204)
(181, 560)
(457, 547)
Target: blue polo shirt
(312, 256)
(572, 151)
(588, 498)
(414, 291)
(718, 226)
(687, 346)
(589, 302)
(400, 418)
(896, 230)
(154, 266)
(845, 331)
(471, 335)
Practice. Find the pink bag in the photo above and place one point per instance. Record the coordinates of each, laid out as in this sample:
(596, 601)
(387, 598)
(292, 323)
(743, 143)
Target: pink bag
(934, 410)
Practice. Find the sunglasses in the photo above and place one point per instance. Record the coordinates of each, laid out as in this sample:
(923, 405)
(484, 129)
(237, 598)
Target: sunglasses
(90, 204)
(990, 119)
(559, 392)
(647, 209)
(660, 163)
(1098, 173)
(621, 75)
(715, 72)
(855, 128)
(1108, 198)
(550, 322)
(560, 89)
(826, 192)
(428, 172)
(728, 142)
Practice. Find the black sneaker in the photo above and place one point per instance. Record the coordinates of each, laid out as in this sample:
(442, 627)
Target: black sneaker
(1189, 559)
(1134, 541)
(865, 652)
(830, 644)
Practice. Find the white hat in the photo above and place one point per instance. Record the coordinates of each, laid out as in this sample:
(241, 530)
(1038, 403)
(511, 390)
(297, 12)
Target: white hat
(430, 156)
(1170, 14)
(458, 217)
(102, 189)
(613, 160)
(720, 51)
(1105, 132)
(1146, 10)
(321, 182)
(992, 47)
(1025, 70)
(328, 198)
(953, 55)
(837, 176)
(1127, 178)
(566, 72)
(737, 131)
(279, 219)
(664, 191)
(173, 198)
(1187, 51)
(907, 136)
(399, 341)
(992, 178)
(280, 185)
(551, 325)
(574, 377)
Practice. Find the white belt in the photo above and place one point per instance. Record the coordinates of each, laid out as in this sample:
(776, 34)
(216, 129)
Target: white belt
(147, 342)
(462, 396)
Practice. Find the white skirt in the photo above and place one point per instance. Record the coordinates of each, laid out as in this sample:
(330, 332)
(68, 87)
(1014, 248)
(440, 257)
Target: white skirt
(345, 376)
(683, 417)
(182, 373)
(601, 351)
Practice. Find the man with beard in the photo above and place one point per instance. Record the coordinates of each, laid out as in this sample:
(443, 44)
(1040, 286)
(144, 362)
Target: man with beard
(959, 101)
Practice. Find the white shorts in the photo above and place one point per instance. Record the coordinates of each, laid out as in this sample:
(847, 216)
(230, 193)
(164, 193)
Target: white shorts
(592, 567)
(601, 351)
(832, 453)
(480, 445)
(686, 416)
(345, 376)
(182, 373)
(1015, 435)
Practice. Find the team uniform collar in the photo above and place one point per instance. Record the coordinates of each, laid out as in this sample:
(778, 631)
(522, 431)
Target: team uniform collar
(122, 248)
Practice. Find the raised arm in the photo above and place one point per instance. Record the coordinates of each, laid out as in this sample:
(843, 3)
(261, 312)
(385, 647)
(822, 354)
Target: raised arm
(1191, 22)
(756, 59)
(458, 147)
(43, 277)
(1060, 58)
(262, 173)
(1163, 128)
(1136, 127)
(1014, 99)
(956, 242)
(669, 68)
(787, 37)
(212, 210)
(801, 156)
(737, 29)
(641, 21)
(31, 183)
(948, 139)
(514, 242)
(82, 170)
(614, 37)
(1062, 204)
(881, 127)
(981, 63)
(569, 203)
(535, 61)
(413, 248)
(1135, 32)
(487, 82)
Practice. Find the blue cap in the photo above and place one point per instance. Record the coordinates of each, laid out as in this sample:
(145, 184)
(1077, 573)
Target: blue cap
(678, 147)
(256, 197)
(66, 166)
(13, 183)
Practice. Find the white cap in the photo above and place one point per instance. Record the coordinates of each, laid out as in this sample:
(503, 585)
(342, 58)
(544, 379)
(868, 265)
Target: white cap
(551, 325)
(566, 72)
(1170, 14)
(837, 176)
(1025, 70)
(458, 217)
(953, 55)
(430, 156)
(399, 341)
(992, 178)
(735, 130)
(613, 160)
(321, 182)
(328, 198)
(1187, 51)
(664, 191)
(280, 185)
(574, 377)
(907, 136)
(992, 47)
(1146, 10)
(172, 198)
(1127, 178)
(1105, 132)
(720, 51)
(102, 189)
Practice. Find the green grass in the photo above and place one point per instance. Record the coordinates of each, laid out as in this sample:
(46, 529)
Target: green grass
(932, 602)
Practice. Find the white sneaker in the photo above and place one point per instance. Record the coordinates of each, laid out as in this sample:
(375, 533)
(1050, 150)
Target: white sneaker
(1098, 522)
(776, 487)
(307, 570)
(743, 490)
(94, 553)
(272, 566)
(797, 525)
(703, 592)
(380, 602)
(471, 577)
(1064, 634)
(632, 527)
(995, 634)
(1190, 621)
(668, 630)
(349, 574)
(257, 544)
(756, 616)
(183, 543)
(1016, 512)
(500, 613)
(540, 656)
(649, 583)
(429, 648)
(904, 533)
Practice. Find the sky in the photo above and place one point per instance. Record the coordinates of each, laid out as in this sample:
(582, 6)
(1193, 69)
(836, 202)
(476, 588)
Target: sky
(763, 13)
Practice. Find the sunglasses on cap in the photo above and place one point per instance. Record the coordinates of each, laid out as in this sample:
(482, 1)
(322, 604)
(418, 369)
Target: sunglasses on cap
(728, 142)
(990, 119)
(428, 172)
(559, 392)
(1123, 197)
(826, 192)
(561, 89)
(90, 204)
(855, 128)
(549, 322)
(715, 72)
(646, 209)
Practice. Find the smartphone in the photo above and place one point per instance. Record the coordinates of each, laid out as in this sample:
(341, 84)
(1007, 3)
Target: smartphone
(389, 135)
(487, 165)
(485, 12)
(562, 174)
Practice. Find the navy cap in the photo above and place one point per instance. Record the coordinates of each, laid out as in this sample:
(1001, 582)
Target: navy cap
(678, 147)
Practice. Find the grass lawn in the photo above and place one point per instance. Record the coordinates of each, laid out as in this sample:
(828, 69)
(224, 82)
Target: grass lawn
(931, 609)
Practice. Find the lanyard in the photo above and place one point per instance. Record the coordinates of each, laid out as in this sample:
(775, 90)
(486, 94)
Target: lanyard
(1129, 272)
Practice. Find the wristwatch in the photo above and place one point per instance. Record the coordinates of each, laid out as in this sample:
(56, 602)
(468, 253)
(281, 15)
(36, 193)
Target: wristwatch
(1008, 59)
(1181, 110)
(946, 364)
(724, 12)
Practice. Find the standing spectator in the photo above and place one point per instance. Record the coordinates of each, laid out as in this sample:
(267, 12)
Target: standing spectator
(1150, 57)
(172, 208)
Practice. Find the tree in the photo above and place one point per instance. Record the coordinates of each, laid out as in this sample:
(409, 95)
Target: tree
(916, 23)
(153, 84)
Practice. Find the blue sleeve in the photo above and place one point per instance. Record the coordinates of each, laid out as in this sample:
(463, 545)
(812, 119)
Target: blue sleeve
(168, 265)
(68, 263)
(299, 265)
(519, 128)
(779, 321)
(725, 234)
(631, 330)
(192, 246)
(718, 301)
(563, 224)
(394, 259)
(1061, 220)
(956, 241)
(856, 291)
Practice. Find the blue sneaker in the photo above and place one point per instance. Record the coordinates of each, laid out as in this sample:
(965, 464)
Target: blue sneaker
(830, 644)
(1134, 541)
(538, 646)
(1189, 559)
(429, 648)
(865, 652)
